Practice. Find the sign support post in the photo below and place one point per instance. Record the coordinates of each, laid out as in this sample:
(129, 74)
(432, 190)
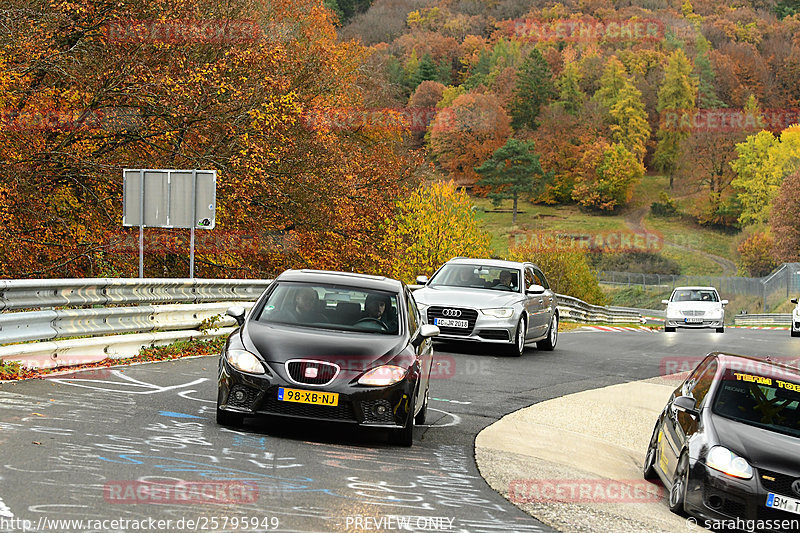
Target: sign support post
(141, 224)
(172, 199)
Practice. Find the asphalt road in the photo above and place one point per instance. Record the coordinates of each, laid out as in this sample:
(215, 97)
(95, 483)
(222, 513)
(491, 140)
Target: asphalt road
(108, 446)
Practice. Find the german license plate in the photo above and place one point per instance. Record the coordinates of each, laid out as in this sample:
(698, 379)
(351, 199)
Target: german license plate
(451, 322)
(307, 396)
(783, 503)
(694, 320)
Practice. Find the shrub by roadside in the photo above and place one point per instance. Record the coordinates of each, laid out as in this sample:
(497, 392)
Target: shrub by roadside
(567, 271)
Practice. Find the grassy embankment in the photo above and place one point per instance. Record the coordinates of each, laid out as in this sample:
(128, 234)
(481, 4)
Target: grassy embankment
(693, 249)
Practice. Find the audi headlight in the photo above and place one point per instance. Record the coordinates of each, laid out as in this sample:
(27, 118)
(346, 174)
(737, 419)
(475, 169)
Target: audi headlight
(499, 312)
(382, 376)
(245, 361)
(724, 460)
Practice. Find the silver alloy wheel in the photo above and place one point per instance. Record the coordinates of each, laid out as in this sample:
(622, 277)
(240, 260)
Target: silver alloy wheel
(553, 330)
(521, 336)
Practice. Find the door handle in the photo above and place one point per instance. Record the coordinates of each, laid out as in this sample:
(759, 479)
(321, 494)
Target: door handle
(541, 301)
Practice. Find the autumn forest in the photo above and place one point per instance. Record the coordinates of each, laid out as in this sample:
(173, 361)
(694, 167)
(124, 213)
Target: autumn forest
(346, 132)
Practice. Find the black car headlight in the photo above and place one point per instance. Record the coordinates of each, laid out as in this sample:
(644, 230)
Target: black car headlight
(244, 361)
(383, 376)
(724, 460)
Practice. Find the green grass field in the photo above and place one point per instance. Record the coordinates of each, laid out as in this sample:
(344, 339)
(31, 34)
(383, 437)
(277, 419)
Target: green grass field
(685, 242)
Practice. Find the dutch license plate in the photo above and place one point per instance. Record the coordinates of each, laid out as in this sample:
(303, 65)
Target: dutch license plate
(307, 396)
(776, 501)
(693, 320)
(451, 322)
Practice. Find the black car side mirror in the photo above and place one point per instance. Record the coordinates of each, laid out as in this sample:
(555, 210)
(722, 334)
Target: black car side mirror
(687, 404)
(237, 312)
(426, 331)
(793, 300)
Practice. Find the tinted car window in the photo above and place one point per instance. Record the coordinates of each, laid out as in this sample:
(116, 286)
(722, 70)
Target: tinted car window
(413, 316)
(703, 382)
(331, 307)
(761, 401)
(539, 278)
(529, 278)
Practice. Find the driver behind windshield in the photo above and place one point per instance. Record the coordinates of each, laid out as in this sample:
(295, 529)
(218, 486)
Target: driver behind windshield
(505, 281)
(379, 308)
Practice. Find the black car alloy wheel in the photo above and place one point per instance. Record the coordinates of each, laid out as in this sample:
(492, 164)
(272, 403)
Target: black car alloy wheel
(649, 468)
(680, 482)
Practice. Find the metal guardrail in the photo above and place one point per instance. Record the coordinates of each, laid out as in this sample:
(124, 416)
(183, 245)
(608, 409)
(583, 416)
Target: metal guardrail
(656, 313)
(765, 319)
(575, 309)
(133, 322)
(50, 325)
(31, 294)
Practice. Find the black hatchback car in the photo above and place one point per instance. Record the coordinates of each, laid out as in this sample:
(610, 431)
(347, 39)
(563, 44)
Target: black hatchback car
(727, 445)
(330, 346)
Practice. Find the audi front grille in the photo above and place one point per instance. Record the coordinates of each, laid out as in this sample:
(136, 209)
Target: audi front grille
(457, 313)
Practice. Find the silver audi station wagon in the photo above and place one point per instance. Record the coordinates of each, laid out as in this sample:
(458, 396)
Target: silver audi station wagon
(491, 301)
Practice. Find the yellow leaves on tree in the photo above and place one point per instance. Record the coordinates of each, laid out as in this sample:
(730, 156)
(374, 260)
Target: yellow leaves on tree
(434, 224)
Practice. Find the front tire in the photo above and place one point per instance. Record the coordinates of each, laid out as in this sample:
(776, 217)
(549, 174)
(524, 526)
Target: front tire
(549, 343)
(516, 349)
(721, 330)
(423, 413)
(649, 467)
(795, 333)
(680, 482)
(405, 435)
(669, 329)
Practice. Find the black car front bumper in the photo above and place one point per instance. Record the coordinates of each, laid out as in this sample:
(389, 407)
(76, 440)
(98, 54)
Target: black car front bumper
(738, 503)
(257, 395)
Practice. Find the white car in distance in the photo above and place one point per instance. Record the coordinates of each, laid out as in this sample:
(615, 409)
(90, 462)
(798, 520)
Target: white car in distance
(794, 329)
(695, 308)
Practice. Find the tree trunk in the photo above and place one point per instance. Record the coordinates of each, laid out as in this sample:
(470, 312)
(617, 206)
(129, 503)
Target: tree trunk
(514, 215)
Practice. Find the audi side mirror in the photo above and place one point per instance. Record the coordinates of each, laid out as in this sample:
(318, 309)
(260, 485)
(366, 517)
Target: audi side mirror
(422, 280)
(535, 289)
(793, 300)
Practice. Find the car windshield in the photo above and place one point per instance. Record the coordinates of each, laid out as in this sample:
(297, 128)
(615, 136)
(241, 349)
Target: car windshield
(331, 307)
(766, 402)
(477, 277)
(694, 295)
